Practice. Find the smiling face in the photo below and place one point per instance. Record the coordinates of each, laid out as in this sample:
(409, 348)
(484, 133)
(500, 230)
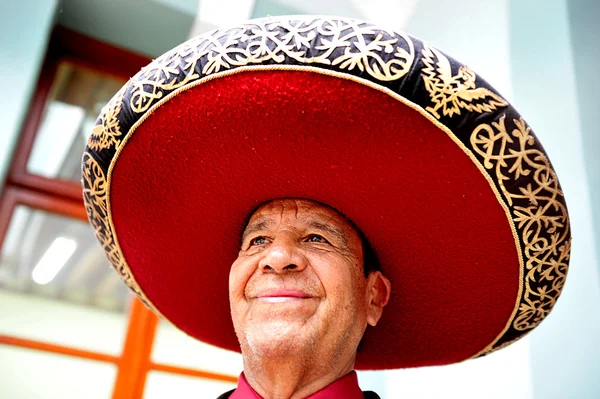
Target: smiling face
(298, 283)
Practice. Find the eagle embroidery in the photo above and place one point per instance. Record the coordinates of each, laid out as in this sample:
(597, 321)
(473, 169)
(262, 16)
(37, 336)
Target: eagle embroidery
(107, 133)
(451, 93)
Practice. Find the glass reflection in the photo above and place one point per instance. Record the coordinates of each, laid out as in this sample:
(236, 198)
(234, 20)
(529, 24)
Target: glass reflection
(77, 97)
(58, 257)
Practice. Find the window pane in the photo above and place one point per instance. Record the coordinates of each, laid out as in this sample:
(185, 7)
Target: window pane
(56, 284)
(172, 346)
(161, 385)
(29, 374)
(78, 94)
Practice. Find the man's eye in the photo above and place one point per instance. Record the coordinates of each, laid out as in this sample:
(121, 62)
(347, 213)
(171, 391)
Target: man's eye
(316, 238)
(258, 241)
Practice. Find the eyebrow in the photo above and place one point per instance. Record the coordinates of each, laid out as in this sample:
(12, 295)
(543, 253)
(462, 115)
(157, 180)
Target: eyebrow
(330, 229)
(256, 227)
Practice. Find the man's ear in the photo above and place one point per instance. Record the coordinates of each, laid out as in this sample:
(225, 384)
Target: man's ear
(379, 290)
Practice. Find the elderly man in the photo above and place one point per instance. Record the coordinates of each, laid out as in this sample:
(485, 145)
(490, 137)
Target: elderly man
(301, 297)
(324, 145)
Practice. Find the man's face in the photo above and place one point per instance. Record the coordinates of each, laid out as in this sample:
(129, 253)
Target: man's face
(298, 282)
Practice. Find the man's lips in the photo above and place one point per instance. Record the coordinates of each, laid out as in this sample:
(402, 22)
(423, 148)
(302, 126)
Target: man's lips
(282, 295)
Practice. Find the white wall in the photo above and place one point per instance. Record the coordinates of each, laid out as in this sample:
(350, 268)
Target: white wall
(62, 323)
(29, 374)
(565, 349)
(172, 346)
(24, 32)
(585, 31)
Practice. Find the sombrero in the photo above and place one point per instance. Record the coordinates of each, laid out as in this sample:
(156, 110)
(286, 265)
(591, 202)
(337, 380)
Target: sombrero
(440, 173)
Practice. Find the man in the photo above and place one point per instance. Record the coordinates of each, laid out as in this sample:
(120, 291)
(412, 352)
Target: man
(336, 140)
(301, 298)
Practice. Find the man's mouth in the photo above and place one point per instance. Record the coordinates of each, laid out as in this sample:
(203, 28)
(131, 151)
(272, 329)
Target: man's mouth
(282, 295)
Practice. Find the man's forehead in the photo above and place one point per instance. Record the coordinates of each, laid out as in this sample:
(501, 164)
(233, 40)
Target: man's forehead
(301, 210)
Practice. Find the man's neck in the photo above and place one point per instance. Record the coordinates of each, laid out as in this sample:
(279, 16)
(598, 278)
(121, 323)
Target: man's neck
(292, 378)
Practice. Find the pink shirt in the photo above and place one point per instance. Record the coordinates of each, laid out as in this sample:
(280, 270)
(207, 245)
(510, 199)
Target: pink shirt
(344, 388)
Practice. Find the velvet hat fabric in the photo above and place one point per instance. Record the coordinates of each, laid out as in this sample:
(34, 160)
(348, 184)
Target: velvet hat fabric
(444, 178)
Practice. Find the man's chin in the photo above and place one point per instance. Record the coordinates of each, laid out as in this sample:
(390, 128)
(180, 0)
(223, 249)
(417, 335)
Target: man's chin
(278, 339)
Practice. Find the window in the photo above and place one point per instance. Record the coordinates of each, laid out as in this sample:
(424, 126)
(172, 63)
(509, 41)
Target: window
(68, 326)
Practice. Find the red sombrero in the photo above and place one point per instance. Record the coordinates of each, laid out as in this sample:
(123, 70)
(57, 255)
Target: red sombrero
(444, 178)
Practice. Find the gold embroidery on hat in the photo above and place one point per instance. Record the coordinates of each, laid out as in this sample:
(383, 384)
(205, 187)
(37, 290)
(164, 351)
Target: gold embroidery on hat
(453, 92)
(107, 133)
(538, 212)
(95, 200)
(346, 44)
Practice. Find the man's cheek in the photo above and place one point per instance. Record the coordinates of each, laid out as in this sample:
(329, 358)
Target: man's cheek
(238, 277)
(236, 291)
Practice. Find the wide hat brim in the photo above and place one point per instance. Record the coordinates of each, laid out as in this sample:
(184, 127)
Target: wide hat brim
(443, 177)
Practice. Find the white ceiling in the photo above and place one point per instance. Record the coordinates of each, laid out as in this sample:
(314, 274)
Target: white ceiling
(151, 27)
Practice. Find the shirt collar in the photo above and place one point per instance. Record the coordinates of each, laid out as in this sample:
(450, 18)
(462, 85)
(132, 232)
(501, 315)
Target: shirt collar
(344, 388)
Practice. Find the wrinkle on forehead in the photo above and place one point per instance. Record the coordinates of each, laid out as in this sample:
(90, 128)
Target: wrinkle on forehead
(303, 210)
(298, 205)
(281, 205)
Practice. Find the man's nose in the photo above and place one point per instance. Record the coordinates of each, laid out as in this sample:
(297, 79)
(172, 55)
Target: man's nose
(283, 255)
